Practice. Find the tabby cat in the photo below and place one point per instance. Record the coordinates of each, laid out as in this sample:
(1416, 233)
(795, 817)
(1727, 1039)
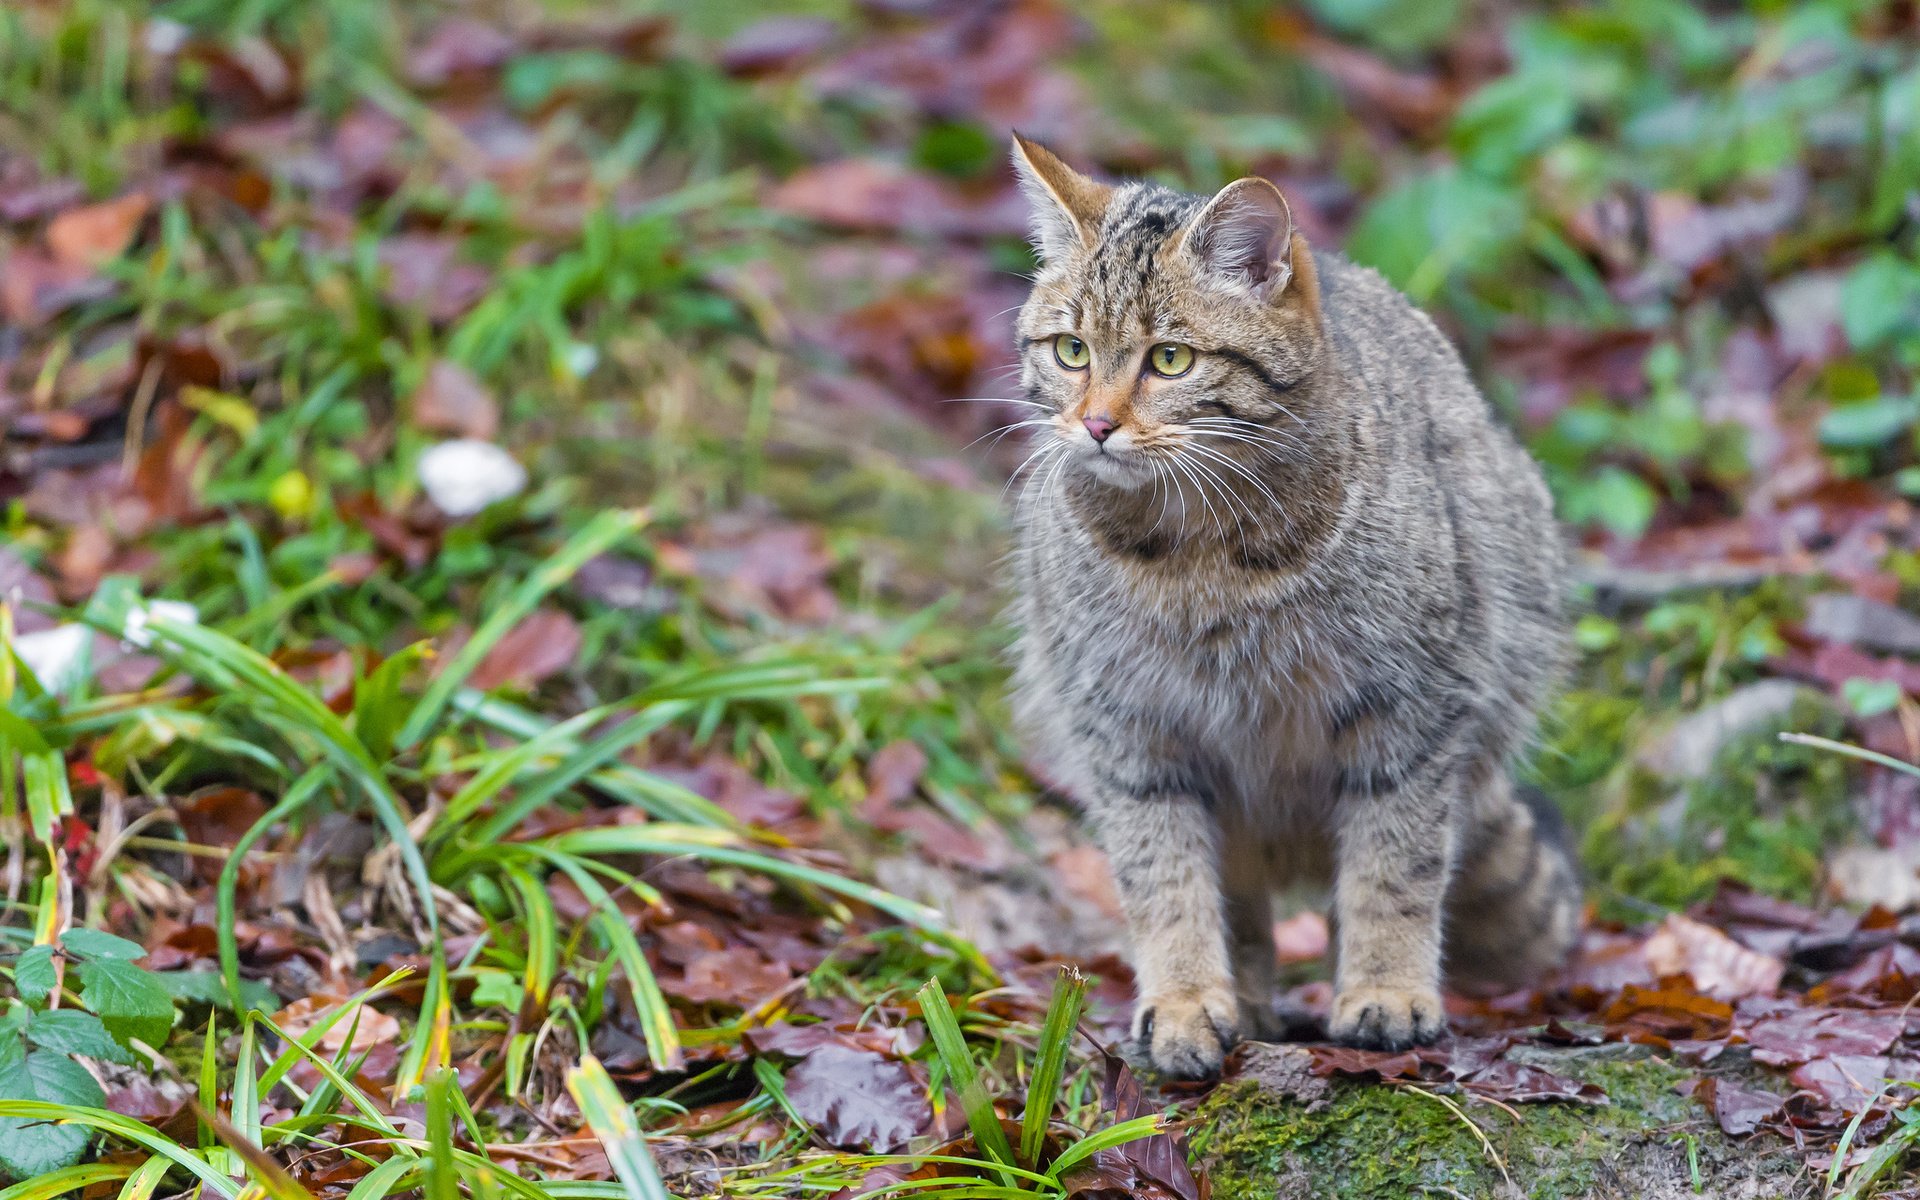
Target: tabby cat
(1289, 599)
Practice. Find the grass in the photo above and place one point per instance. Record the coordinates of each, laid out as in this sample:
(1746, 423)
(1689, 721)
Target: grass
(650, 383)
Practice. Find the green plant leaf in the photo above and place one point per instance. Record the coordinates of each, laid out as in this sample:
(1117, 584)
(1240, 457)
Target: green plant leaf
(1857, 426)
(1871, 697)
(205, 987)
(29, 1148)
(91, 943)
(1880, 297)
(130, 1001)
(1432, 226)
(596, 537)
(33, 974)
(72, 1031)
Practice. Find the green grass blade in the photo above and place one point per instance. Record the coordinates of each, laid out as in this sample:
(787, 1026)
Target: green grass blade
(721, 846)
(542, 927)
(384, 1180)
(1056, 1038)
(115, 1125)
(502, 769)
(582, 763)
(297, 798)
(951, 1046)
(263, 1171)
(1105, 1139)
(597, 536)
(206, 651)
(656, 1019)
(145, 1181)
(67, 1179)
(649, 793)
(612, 1122)
(442, 1182)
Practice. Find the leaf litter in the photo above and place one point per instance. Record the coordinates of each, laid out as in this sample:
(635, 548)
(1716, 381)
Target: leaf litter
(1818, 999)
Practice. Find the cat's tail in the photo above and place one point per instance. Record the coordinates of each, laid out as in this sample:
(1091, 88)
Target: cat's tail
(1513, 910)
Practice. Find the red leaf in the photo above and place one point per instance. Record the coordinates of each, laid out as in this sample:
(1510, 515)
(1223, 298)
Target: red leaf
(533, 651)
(857, 1100)
(1802, 1034)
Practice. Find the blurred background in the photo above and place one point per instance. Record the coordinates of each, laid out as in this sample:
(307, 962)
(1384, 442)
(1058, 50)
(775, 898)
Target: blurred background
(488, 365)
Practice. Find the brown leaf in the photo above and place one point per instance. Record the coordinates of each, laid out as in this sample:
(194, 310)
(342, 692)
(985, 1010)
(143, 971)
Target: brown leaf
(532, 652)
(736, 976)
(1850, 1082)
(452, 400)
(1673, 1010)
(1802, 1034)
(34, 286)
(1739, 1109)
(893, 773)
(1719, 966)
(1159, 1157)
(1522, 1083)
(774, 44)
(763, 567)
(219, 816)
(367, 1026)
(857, 1100)
(96, 234)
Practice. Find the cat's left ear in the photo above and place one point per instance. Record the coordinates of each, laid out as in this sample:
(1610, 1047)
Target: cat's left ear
(1245, 234)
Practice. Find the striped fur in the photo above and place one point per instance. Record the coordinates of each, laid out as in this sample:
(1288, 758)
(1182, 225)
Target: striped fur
(1288, 623)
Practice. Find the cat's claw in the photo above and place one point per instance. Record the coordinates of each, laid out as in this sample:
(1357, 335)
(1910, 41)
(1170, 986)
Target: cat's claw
(1387, 1018)
(1187, 1036)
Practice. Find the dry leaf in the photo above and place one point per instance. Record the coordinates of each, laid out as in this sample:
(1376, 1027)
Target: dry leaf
(96, 234)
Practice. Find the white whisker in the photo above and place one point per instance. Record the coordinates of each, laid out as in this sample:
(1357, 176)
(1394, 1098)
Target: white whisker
(1003, 431)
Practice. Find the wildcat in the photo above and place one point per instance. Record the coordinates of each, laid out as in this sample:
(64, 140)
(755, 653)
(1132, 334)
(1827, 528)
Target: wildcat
(1288, 601)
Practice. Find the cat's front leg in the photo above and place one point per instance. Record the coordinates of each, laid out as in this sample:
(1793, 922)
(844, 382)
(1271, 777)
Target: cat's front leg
(1163, 844)
(1393, 858)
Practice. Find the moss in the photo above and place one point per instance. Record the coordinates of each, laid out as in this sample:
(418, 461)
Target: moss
(1375, 1142)
(1761, 818)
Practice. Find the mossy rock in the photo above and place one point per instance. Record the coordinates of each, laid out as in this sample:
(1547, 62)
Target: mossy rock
(1382, 1142)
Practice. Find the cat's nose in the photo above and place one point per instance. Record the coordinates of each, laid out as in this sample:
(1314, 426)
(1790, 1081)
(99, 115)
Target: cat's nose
(1099, 427)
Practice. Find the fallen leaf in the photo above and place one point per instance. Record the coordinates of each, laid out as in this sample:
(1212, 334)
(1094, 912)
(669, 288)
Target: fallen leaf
(366, 1025)
(1739, 1109)
(532, 652)
(858, 1100)
(1850, 1082)
(1800, 1035)
(96, 234)
(1718, 965)
(452, 400)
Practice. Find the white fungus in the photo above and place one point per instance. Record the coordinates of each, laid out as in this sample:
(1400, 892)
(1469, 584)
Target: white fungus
(465, 475)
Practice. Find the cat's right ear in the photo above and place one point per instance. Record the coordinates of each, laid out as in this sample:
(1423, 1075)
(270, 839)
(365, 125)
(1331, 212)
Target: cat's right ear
(1067, 206)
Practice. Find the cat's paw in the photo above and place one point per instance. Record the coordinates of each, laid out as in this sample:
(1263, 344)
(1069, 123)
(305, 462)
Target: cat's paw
(1387, 1018)
(1187, 1035)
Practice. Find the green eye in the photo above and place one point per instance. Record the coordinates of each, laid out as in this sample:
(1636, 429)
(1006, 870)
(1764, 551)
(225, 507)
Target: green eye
(1170, 359)
(1071, 351)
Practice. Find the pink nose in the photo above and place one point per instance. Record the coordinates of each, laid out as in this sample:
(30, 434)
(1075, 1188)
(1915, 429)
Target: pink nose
(1100, 427)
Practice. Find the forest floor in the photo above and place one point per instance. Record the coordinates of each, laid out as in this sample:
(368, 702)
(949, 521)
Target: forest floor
(505, 688)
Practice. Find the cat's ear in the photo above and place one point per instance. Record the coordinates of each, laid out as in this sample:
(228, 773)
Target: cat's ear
(1245, 235)
(1067, 206)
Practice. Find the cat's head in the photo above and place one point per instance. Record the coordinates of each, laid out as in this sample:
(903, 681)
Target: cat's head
(1164, 330)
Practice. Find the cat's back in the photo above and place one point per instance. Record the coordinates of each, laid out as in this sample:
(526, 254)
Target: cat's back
(1419, 413)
